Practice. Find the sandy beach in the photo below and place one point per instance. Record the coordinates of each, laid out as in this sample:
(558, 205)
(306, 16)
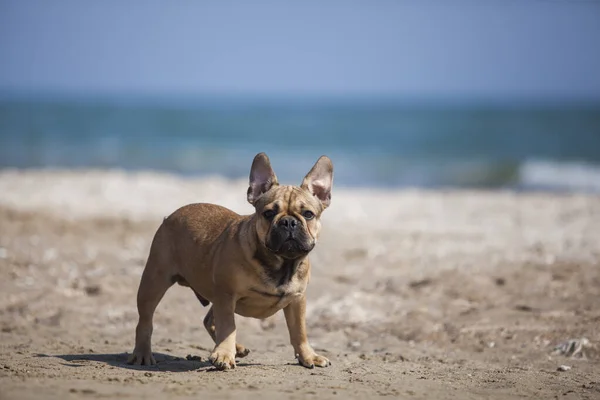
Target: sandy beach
(446, 294)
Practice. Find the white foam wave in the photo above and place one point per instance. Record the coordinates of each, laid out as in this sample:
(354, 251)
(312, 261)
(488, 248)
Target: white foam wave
(572, 176)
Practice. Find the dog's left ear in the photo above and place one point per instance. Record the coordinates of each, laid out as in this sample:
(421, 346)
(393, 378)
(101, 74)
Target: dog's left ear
(320, 180)
(262, 177)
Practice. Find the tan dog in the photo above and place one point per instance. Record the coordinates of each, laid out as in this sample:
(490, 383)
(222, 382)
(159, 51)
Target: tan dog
(252, 265)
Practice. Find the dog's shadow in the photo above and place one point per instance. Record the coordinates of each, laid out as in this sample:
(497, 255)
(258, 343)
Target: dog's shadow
(164, 362)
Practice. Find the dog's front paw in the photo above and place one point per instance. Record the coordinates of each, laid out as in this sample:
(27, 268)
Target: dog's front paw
(222, 359)
(311, 359)
(141, 357)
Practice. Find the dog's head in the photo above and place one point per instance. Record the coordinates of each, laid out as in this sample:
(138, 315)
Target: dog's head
(288, 217)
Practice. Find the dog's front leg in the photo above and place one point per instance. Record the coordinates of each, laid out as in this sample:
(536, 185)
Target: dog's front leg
(295, 318)
(223, 355)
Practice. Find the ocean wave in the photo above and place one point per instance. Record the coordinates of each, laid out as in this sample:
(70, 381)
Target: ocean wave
(385, 146)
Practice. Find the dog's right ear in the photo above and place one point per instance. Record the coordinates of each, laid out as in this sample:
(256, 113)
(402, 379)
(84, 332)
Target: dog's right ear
(262, 177)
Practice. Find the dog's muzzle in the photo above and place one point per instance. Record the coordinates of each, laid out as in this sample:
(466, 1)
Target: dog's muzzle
(288, 239)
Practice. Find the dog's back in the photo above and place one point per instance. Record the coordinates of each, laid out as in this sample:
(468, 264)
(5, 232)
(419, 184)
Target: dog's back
(203, 221)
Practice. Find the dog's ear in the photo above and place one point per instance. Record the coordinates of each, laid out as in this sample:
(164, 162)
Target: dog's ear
(319, 180)
(262, 177)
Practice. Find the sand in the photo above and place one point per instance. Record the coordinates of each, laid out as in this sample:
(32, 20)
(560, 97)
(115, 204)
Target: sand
(415, 294)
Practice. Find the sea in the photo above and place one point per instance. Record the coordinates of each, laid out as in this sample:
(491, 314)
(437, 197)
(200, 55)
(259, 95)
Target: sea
(383, 143)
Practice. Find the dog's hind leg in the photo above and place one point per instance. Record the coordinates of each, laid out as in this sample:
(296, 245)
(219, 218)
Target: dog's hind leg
(209, 324)
(153, 286)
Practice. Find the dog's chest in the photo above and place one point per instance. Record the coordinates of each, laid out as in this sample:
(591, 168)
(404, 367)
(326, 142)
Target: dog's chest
(275, 285)
(262, 301)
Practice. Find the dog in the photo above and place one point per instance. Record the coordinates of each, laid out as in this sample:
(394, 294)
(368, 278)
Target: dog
(252, 265)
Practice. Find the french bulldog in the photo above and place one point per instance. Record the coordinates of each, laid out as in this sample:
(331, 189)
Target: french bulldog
(252, 265)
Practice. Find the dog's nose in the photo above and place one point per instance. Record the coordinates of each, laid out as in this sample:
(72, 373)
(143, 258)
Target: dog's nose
(288, 222)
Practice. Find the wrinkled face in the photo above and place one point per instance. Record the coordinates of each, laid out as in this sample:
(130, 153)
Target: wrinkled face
(288, 221)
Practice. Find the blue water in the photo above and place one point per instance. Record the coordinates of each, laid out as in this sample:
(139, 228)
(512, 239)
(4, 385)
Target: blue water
(372, 143)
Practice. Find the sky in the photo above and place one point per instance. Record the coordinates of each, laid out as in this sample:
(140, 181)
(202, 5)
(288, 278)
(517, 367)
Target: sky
(508, 49)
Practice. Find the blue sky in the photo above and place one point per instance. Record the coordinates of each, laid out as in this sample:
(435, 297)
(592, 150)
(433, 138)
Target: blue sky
(542, 49)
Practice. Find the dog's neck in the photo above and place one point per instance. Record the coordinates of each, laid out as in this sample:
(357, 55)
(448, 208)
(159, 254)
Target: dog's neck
(278, 270)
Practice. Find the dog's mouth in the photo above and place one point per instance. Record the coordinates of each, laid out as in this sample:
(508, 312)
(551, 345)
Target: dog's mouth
(290, 244)
(289, 247)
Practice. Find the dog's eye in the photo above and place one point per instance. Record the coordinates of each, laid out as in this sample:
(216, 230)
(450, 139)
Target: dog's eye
(269, 214)
(308, 214)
